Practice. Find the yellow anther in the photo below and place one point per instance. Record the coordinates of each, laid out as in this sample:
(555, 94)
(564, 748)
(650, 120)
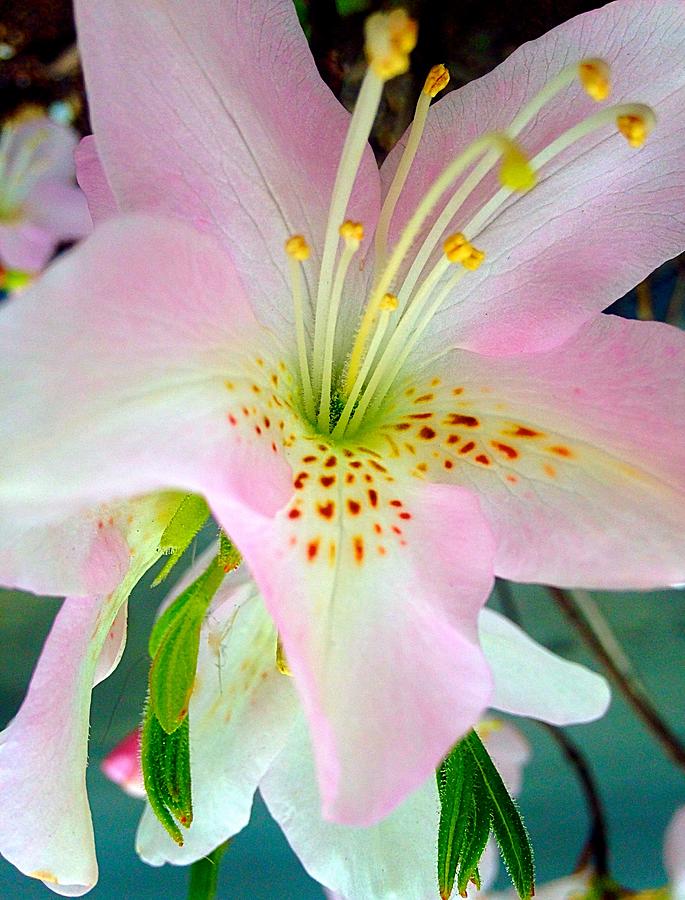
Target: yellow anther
(281, 661)
(389, 302)
(459, 250)
(437, 80)
(390, 38)
(637, 126)
(456, 248)
(352, 231)
(297, 248)
(516, 172)
(594, 76)
(473, 260)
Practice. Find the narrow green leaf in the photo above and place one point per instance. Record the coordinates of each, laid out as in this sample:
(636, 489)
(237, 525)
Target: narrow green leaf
(204, 875)
(152, 757)
(229, 557)
(175, 642)
(455, 788)
(184, 525)
(477, 837)
(507, 823)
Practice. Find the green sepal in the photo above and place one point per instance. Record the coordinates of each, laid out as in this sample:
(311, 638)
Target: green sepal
(184, 525)
(455, 789)
(154, 750)
(174, 646)
(229, 557)
(506, 822)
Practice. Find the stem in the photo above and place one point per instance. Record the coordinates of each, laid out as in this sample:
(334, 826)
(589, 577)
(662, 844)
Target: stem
(596, 846)
(632, 691)
(204, 875)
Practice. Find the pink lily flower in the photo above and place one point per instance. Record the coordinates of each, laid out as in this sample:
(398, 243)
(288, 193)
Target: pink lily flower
(40, 205)
(248, 731)
(674, 854)
(377, 439)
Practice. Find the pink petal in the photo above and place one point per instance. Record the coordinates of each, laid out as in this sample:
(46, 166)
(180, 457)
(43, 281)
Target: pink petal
(122, 765)
(383, 647)
(60, 208)
(93, 181)
(238, 134)
(395, 858)
(674, 853)
(46, 830)
(577, 454)
(241, 712)
(602, 220)
(26, 246)
(80, 555)
(115, 371)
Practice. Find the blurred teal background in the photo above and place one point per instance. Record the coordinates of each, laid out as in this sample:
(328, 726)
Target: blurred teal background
(641, 789)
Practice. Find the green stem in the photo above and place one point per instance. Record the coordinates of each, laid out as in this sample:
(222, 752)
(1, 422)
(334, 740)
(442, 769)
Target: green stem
(204, 875)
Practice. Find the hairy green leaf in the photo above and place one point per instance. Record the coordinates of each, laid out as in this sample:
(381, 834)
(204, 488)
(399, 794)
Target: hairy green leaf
(153, 757)
(174, 645)
(455, 789)
(184, 525)
(476, 838)
(506, 821)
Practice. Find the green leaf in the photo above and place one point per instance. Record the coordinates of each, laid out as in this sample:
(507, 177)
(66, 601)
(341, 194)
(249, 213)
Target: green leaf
(204, 875)
(184, 525)
(506, 821)
(476, 838)
(455, 789)
(229, 557)
(154, 751)
(174, 644)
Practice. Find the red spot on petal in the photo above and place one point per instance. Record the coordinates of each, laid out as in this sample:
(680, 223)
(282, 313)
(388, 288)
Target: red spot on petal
(358, 548)
(458, 419)
(426, 415)
(354, 507)
(299, 481)
(327, 480)
(401, 426)
(560, 450)
(294, 514)
(508, 451)
(405, 515)
(312, 549)
(426, 433)
(467, 448)
(395, 503)
(327, 510)
(309, 459)
(331, 461)
(448, 464)
(522, 431)
(232, 419)
(424, 398)
(482, 458)
(373, 497)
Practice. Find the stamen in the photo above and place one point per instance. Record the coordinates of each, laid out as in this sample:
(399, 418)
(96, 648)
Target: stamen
(456, 250)
(594, 76)
(352, 233)
(298, 251)
(636, 127)
(387, 306)
(515, 172)
(390, 38)
(438, 79)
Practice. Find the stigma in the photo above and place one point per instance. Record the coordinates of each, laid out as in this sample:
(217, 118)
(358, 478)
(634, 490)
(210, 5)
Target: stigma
(344, 394)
